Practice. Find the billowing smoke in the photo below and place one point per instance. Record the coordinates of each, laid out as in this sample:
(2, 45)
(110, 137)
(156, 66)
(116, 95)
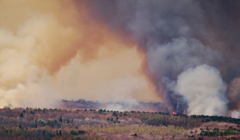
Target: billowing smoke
(203, 89)
(48, 53)
(170, 59)
(177, 35)
(123, 49)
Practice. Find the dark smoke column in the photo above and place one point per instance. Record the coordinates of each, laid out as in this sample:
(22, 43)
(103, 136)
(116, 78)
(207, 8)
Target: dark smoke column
(179, 36)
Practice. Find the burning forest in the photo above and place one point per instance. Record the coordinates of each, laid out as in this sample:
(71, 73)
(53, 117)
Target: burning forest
(181, 54)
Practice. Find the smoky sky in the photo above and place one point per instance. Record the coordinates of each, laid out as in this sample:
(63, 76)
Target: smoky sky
(214, 23)
(183, 53)
(177, 35)
(222, 18)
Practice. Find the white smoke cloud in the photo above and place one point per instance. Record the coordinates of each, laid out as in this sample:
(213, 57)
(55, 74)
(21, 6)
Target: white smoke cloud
(204, 90)
(235, 114)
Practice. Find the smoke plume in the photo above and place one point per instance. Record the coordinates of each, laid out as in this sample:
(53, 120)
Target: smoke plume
(48, 53)
(122, 49)
(203, 89)
(177, 35)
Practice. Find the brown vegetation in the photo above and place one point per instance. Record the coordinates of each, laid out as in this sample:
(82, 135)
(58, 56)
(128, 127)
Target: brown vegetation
(102, 124)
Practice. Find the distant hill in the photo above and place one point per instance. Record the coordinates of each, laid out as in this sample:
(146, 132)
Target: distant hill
(117, 106)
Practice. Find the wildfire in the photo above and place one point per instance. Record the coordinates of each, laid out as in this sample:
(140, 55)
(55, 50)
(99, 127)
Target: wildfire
(174, 113)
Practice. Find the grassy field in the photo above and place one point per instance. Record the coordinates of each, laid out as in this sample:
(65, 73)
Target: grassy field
(137, 129)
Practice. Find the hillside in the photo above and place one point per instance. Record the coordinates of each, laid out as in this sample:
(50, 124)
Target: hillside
(120, 106)
(101, 124)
